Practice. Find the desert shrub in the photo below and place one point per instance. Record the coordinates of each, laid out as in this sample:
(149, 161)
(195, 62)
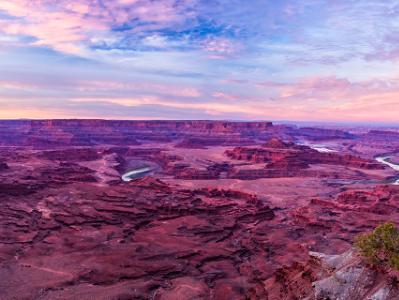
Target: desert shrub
(381, 246)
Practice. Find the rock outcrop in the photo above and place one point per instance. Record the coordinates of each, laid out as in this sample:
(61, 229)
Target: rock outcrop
(279, 154)
(340, 277)
(334, 223)
(225, 140)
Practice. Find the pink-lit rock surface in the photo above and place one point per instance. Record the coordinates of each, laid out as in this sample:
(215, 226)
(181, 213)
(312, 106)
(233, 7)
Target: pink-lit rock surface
(342, 276)
(227, 210)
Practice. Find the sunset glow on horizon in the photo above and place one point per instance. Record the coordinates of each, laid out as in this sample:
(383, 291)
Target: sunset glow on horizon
(315, 60)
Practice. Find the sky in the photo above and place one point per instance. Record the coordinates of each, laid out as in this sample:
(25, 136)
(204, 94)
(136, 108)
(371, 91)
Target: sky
(303, 60)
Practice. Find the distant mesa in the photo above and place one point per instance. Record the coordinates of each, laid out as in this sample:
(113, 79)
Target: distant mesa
(186, 134)
(280, 153)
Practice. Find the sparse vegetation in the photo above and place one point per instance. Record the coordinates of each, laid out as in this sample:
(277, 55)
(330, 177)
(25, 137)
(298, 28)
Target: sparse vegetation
(381, 246)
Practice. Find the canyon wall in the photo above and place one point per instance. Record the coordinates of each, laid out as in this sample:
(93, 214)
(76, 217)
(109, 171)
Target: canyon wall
(187, 134)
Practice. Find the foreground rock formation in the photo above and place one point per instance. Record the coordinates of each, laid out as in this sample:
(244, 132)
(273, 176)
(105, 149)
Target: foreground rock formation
(163, 242)
(344, 276)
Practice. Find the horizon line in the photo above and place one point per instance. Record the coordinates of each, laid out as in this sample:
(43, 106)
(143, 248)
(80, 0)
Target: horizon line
(278, 122)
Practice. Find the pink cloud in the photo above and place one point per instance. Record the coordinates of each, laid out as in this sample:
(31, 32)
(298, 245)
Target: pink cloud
(328, 88)
(105, 86)
(61, 30)
(125, 87)
(68, 26)
(219, 48)
(225, 96)
(13, 84)
(316, 98)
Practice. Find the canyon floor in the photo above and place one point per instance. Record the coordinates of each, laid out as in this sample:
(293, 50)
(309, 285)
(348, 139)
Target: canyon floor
(189, 209)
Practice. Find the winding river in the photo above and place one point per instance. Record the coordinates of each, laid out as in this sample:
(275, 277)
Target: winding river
(137, 173)
(322, 149)
(317, 147)
(385, 160)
